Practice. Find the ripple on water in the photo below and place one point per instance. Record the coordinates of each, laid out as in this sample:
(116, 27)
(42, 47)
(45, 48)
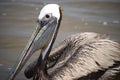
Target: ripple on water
(1, 65)
(105, 23)
(116, 22)
(4, 14)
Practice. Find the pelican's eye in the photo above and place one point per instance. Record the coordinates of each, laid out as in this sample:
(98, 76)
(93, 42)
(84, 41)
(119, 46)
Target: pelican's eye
(47, 16)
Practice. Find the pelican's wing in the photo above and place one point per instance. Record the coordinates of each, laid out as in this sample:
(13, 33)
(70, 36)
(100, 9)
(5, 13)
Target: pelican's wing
(91, 58)
(68, 47)
(70, 44)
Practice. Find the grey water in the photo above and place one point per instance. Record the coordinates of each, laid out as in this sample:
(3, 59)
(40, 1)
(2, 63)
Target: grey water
(18, 21)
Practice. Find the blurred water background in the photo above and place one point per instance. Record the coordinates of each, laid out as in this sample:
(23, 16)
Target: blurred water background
(18, 21)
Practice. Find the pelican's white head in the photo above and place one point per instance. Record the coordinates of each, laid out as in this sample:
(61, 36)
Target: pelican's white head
(50, 10)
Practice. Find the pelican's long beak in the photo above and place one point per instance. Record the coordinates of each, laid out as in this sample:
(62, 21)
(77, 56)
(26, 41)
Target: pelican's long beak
(39, 40)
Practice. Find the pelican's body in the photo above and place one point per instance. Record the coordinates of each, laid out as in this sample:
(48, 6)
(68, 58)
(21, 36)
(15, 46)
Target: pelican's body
(83, 56)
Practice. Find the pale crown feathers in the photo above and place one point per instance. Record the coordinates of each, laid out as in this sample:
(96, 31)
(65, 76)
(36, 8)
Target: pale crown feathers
(52, 9)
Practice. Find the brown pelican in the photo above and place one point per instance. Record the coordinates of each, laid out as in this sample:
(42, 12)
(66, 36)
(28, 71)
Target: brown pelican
(83, 56)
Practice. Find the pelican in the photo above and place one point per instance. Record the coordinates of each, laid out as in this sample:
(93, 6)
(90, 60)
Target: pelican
(82, 56)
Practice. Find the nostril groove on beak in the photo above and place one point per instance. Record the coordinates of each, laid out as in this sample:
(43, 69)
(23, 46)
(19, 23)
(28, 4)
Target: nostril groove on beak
(43, 23)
